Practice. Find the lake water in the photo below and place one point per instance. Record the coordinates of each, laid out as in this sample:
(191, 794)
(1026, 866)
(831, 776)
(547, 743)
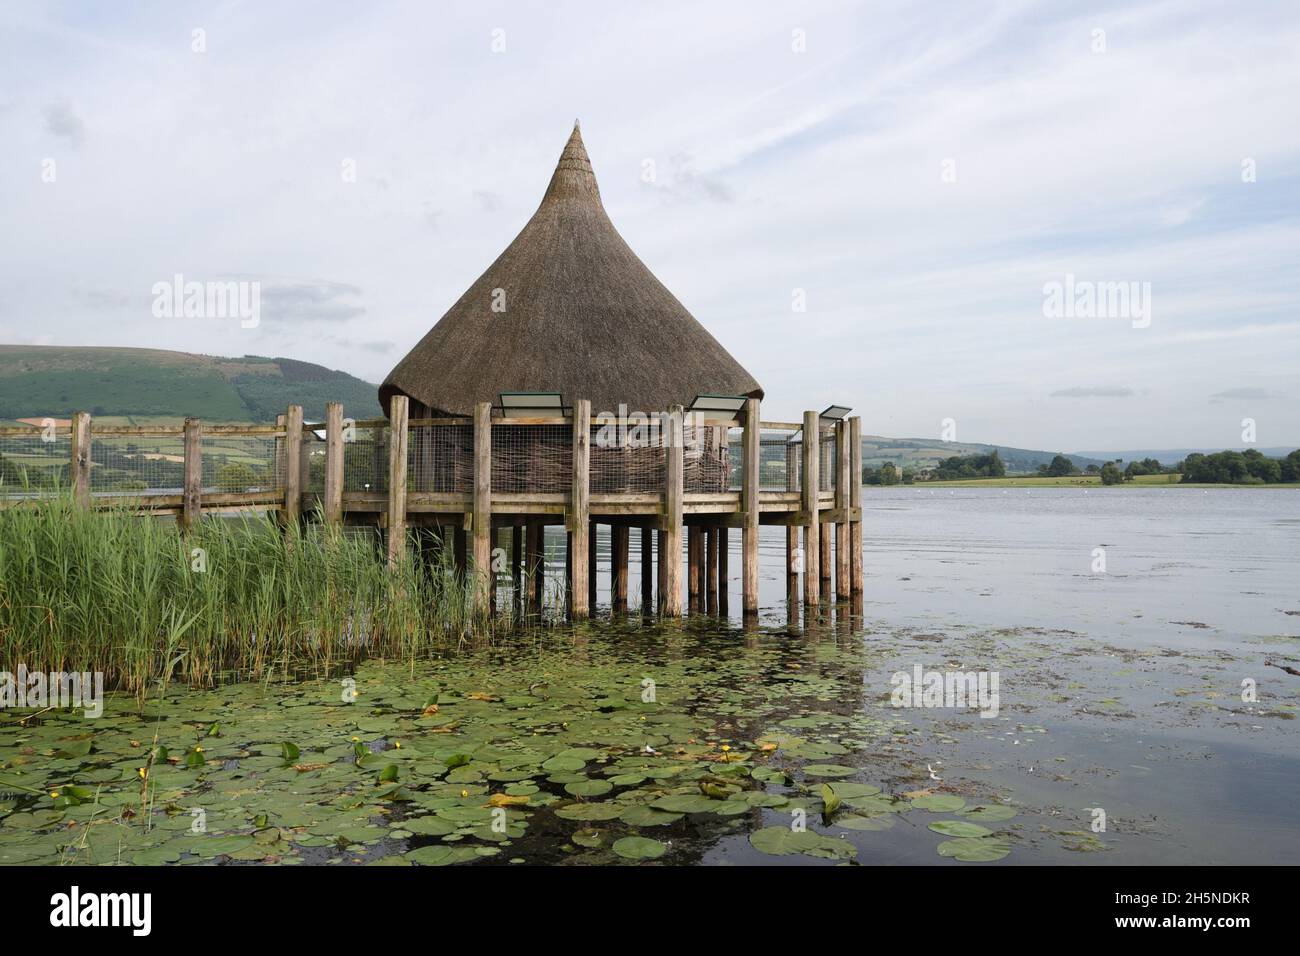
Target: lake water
(1122, 732)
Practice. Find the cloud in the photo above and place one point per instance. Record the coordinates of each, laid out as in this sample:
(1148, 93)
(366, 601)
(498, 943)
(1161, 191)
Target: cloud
(1096, 392)
(1249, 394)
(488, 201)
(305, 300)
(62, 120)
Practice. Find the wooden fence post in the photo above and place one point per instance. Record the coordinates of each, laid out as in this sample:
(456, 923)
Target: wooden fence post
(855, 502)
(749, 492)
(674, 489)
(398, 415)
(192, 507)
(79, 459)
(811, 487)
(842, 492)
(334, 463)
(579, 511)
(482, 550)
(292, 465)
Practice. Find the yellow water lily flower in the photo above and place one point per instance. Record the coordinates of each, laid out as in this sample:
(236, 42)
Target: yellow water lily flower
(54, 794)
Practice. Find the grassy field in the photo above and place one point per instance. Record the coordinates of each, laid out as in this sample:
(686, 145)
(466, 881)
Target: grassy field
(1084, 481)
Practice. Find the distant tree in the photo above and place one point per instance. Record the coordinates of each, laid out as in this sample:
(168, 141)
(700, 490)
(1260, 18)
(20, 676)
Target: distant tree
(1091, 470)
(996, 469)
(888, 473)
(1110, 474)
(1060, 467)
(1290, 466)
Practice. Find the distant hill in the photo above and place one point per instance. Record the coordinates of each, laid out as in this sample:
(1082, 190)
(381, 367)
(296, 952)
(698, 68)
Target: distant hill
(919, 453)
(146, 385)
(1172, 456)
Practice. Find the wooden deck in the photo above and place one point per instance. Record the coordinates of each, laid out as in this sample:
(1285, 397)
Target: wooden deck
(401, 474)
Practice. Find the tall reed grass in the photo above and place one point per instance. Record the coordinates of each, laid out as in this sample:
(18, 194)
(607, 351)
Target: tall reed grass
(135, 598)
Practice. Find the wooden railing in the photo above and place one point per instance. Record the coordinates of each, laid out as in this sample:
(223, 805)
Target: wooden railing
(392, 471)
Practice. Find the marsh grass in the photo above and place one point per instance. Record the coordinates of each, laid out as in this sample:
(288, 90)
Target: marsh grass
(131, 596)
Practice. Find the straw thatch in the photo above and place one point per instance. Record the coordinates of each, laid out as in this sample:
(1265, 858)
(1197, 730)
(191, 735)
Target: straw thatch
(583, 316)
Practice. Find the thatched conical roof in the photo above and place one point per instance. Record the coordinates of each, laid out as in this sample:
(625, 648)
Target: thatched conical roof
(583, 316)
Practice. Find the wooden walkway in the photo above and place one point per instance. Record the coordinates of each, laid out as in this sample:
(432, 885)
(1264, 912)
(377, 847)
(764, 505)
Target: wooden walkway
(474, 478)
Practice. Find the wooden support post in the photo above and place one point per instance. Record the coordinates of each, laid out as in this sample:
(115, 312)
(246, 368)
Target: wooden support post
(620, 536)
(334, 463)
(724, 579)
(694, 562)
(592, 554)
(749, 491)
(292, 465)
(855, 502)
(647, 570)
(482, 546)
(579, 517)
(824, 561)
(79, 460)
(192, 508)
(811, 484)
(843, 466)
(661, 569)
(793, 564)
(711, 571)
(397, 438)
(674, 491)
(517, 564)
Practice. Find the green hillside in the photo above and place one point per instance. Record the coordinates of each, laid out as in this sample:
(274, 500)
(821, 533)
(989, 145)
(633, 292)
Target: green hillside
(920, 453)
(147, 385)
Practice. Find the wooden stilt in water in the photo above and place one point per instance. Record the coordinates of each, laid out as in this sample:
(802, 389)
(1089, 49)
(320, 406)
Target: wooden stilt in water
(843, 468)
(619, 538)
(694, 565)
(517, 565)
(578, 521)
(592, 556)
(749, 492)
(674, 489)
(462, 551)
(855, 502)
(824, 562)
(647, 569)
(568, 571)
(724, 579)
(661, 570)
(711, 571)
(482, 554)
(810, 504)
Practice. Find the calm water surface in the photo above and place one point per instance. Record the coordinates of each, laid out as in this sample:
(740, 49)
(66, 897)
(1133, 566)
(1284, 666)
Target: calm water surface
(1120, 692)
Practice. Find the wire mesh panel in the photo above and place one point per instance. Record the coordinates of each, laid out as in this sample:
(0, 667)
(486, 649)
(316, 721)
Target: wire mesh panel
(536, 458)
(137, 464)
(241, 463)
(627, 458)
(35, 464)
(736, 449)
(440, 459)
(707, 459)
(827, 478)
(312, 465)
(779, 460)
(365, 459)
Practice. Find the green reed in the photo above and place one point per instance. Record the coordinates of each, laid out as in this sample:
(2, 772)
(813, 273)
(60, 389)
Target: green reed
(139, 600)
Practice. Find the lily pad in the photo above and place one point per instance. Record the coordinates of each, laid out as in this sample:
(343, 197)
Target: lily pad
(639, 848)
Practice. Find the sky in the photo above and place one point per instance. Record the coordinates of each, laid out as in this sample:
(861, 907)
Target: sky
(868, 204)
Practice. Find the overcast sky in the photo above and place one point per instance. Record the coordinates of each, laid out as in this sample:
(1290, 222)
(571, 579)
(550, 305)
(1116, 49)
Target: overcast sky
(919, 171)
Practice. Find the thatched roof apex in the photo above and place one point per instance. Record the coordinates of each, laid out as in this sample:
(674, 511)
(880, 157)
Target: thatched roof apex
(567, 307)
